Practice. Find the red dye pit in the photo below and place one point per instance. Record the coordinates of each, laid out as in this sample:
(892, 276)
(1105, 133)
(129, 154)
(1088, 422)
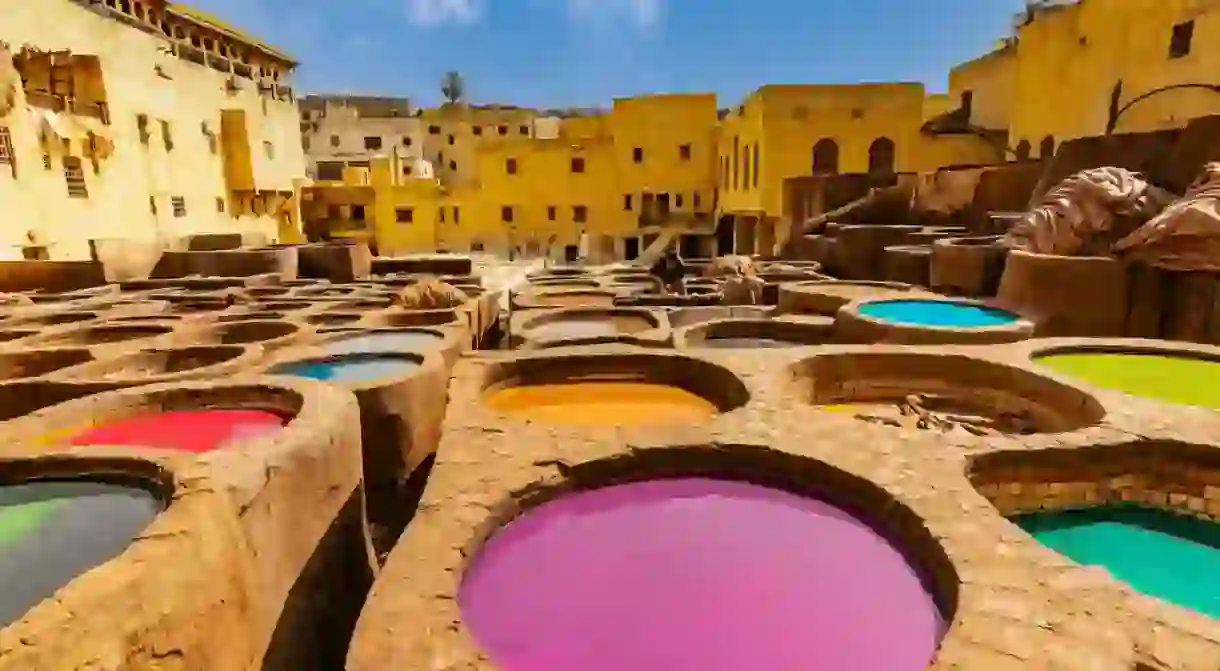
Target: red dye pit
(184, 430)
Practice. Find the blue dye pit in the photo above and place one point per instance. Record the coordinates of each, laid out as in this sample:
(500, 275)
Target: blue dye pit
(1161, 554)
(397, 341)
(936, 313)
(356, 369)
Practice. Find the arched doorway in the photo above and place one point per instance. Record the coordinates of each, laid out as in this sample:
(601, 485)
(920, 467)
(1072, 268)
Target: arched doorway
(826, 157)
(881, 156)
(1046, 148)
(1023, 150)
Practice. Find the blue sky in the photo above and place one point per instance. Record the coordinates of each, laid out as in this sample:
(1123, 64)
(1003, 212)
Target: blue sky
(585, 52)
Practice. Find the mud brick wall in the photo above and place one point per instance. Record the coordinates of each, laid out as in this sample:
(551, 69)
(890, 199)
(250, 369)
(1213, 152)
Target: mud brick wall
(50, 275)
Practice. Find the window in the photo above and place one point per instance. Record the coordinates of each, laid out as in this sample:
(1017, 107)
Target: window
(440, 214)
(734, 163)
(453, 165)
(406, 170)
(74, 177)
(334, 140)
(451, 140)
(967, 105)
(404, 215)
(372, 143)
(212, 143)
(166, 137)
(580, 214)
(637, 155)
(440, 158)
(6, 150)
(178, 203)
(755, 165)
(46, 161)
(457, 215)
(578, 164)
(1179, 41)
(502, 130)
(684, 152)
(357, 213)
(525, 130)
(550, 213)
(269, 150)
(434, 130)
(627, 202)
(678, 200)
(142, 128)
(745, 168)
(506, 214)
(477, 130)
(152, 204)
(220, 204)
(694, 200)
(510, 166)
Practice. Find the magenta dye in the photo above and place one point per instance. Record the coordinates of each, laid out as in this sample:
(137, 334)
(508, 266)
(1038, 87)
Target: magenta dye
(696, 574)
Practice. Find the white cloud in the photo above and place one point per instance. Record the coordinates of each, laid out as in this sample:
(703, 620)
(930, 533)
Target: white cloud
(429, 13)
(642, 13)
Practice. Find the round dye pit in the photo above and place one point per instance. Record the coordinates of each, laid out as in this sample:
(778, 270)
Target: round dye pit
(747, 343)
(350, 368)
(610, 403)
(184, 430)
(942, 314)
(696, 574)
(396, 341)
(1176, 379)
(599, 327)
(1168, 556)
(53, 531)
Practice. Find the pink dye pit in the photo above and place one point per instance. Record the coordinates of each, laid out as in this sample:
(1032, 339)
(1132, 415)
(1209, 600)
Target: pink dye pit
(696, 574)
(184, 430)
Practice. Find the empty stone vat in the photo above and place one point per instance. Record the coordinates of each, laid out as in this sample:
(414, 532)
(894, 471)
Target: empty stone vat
(128, 335)
(164, 365)
(930, 321)
(612, 389)
(826, 297)
(756, 334)
(269, 334)
(557, 298)
(30, 364)
(584, 323)
(943, 392)
(1164, 372)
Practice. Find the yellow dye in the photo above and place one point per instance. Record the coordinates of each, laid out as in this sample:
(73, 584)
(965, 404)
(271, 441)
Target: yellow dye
(607, 403)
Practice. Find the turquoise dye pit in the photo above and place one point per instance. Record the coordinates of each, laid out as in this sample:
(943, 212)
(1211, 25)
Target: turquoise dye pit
(936, 313)
(355, 369)
(1171, 557)
(398, 341)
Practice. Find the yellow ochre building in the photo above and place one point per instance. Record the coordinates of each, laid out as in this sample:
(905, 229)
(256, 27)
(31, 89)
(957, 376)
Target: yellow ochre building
(147, 120)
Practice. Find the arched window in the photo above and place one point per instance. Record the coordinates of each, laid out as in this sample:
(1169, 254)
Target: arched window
(1046, 149)
(1023, 150)
(881, 156)
(825, 157)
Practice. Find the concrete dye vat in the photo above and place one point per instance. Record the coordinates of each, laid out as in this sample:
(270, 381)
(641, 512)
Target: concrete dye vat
(397, 341)
(351, 368)
(52, 531)
(934, 313)
(1164, 377)
(696, 574)
(183, 430)
(1170, 556)
(605, 403)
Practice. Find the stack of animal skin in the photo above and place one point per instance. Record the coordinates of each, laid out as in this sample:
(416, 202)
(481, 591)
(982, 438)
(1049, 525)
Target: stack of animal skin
(430, 294)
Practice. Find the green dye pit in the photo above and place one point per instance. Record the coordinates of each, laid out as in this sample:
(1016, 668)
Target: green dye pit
(1176, 379)
(1161, 554)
